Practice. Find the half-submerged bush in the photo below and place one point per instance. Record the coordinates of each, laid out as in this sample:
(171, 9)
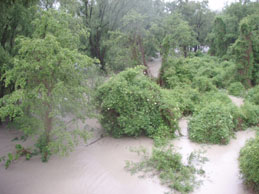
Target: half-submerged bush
(131, 104)
(249, 163)
(236, 89)
(169, 167)
(212, 124)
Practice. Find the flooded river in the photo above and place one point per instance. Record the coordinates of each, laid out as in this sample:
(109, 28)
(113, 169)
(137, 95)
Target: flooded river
(99, 167)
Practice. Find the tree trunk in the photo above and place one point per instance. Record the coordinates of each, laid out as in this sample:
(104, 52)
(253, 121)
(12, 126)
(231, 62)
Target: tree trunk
(185, 51)
(141, 48)
(48, 128)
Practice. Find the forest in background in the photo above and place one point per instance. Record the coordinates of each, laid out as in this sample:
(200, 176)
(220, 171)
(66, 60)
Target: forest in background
(55, 56)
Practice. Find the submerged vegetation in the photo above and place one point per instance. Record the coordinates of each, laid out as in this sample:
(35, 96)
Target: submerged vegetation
(170, 168)
(249, 163)
(132, 104)
(62, 62)
(213, 124)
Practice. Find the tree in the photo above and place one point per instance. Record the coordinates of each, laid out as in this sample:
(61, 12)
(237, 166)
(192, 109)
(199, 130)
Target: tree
(225, 30)
(245, 50)
(179, 34)
(198, 15)
(15, 20)
(134, 26)
(50, 84)
(218, 43)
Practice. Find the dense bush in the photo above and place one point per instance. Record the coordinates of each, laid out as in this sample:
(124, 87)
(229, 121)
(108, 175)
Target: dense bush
(186, 97)
(236, 89)
(249, 163)
(238, 117)
(226, 74)
(251, 114)
(203, 84)
(210, 97)
(212, 124)
(131, 104)
(208, 71)
(174, 73)
(253, 95)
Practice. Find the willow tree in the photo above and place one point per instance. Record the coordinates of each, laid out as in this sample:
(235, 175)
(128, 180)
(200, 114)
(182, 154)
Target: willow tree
(50, 85)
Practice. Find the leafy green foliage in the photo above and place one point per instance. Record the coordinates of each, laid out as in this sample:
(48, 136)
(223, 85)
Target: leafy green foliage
(204, 73)
(249, 163)
(211, 97)
(118, 57)
(197, 15)
(50, 83)
(174, 73)
(251, 114)
(168, 166)
(187, 98)
(212, 124)
(236, 89)
(203, 84)
(251, 107)
(253, 95)
(245, 50)
(20, 152)
(178, 34)
(131, 104)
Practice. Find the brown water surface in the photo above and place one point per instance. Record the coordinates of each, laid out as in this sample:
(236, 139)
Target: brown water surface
(99, 168)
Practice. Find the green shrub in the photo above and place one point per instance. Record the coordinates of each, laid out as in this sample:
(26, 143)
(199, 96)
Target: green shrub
(187, 98)
(174, 73)
(238, 117)
(253, 95)
(213, 124)
(251, 114)
(249, 163)
(236, 89)
(131, 104)
(203, 84)
(211, 97)
(224, 76)
(210, 71)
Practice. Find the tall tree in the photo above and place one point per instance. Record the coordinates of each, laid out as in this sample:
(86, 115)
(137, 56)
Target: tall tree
(245, 50)
(178, 35)
(218, 42)
(198, 15)
(15, 20)
(50, 83)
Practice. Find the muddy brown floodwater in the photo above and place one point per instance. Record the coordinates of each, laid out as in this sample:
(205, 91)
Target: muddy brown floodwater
(99, 167)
